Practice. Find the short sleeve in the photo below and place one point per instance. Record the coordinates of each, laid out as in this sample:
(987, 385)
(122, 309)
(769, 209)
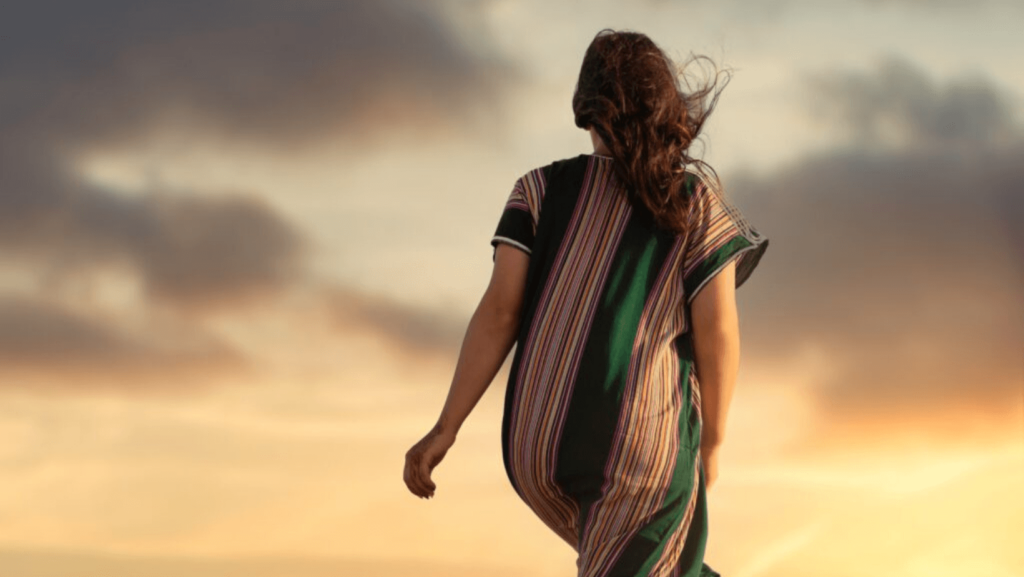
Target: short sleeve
(718, 234)
(518, 223)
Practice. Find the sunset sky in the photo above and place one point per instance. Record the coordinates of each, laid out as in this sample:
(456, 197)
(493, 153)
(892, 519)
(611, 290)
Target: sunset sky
(240, 241)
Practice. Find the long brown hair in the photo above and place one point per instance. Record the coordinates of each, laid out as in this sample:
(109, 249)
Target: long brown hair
(630, 92)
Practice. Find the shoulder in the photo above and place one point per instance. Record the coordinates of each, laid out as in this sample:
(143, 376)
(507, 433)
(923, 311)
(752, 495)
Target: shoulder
(555, 167)
(536, 179)
(697, 182)
(571, 168)
(705, 193)
(568, 162)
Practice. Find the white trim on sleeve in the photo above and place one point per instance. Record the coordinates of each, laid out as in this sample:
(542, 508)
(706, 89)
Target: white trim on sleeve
(734, 257)
(514, 243)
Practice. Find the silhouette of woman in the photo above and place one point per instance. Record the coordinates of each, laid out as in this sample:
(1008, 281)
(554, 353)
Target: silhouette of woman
(614, 275)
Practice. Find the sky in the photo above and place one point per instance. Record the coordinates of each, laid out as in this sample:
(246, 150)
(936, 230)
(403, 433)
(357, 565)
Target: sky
(240, 242)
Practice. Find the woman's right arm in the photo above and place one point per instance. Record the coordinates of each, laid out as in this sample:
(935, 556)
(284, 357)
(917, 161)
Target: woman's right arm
(715, 326)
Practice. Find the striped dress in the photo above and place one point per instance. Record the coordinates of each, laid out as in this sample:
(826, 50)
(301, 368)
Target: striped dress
(601, 424)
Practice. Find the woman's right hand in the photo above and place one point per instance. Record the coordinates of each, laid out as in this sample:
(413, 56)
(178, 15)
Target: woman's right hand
(421, 459)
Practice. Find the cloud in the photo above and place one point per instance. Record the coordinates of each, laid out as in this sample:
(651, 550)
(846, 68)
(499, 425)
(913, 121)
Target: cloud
(78, 77)
(192, 253)
(407, 328)
(898, 104)
(903, 264)
(282, 73)
(43, 344)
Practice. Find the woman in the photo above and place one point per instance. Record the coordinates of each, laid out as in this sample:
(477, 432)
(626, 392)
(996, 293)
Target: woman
(615, 275)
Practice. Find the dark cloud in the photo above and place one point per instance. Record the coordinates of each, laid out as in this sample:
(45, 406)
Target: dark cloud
(281, 72)
(43, 345)
(77, 75)
(904, 264)
(902, 270)
(192, 253)
(898, 104)
(408, 328)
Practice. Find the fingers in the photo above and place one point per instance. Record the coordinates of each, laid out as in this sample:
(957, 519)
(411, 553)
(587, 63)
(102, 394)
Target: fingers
(424, 476)
(421, 459)
(406, 476)
(417, 474)
(412, 475)
(409, 475)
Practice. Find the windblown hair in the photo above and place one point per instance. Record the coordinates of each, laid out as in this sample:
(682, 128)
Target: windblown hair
(630, 92)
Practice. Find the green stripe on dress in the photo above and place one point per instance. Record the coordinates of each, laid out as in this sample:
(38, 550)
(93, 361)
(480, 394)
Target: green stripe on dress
(597, 393)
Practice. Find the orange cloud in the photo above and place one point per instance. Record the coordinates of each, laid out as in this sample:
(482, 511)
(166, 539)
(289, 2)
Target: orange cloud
(47, 347)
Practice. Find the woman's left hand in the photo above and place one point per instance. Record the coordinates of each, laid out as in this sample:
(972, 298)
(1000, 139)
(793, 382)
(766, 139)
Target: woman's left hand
(421, 459)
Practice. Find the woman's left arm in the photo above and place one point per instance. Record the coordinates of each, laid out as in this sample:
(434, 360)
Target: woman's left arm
(489, 338)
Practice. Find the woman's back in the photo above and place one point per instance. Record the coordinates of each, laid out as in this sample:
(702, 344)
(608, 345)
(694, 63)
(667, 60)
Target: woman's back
(602, 419)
